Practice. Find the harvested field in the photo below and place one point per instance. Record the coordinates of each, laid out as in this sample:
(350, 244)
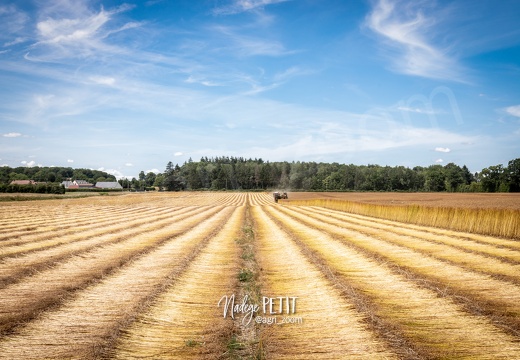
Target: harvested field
(208, 275)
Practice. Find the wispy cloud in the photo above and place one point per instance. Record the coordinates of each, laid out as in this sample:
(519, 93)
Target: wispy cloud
(442, 149)
(513, 110)
(77, 32)
(239, 6)
(12, 135)
(405, 27)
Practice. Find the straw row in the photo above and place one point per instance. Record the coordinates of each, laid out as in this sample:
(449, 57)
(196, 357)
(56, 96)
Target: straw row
(184, 321)
(495, 222)
(13, 269)
(86, 325)
(419, 313)
(22, 301)
(331, 328)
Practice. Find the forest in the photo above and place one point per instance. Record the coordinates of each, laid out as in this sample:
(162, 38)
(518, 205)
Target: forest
(237, 173)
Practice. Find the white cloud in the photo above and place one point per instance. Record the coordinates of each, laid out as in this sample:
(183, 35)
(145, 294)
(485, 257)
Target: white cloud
(28, 163)
(70, 161)
(155, 171)
(129, 164)
(103, 80)
(239, 6)
(442, 149)
(73, 31)
(178, 153)
(12, 135)
(18, 40)
(118, 174)
(404, 27)
(438, 161)
(513, 110)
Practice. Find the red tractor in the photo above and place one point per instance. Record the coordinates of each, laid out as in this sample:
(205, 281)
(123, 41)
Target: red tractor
(277, 196)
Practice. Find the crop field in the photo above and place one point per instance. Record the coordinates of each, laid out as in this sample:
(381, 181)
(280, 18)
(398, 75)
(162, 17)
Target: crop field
(216, 275)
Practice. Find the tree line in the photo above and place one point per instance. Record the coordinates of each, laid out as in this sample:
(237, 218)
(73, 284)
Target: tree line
(236, 173)
(48, 179)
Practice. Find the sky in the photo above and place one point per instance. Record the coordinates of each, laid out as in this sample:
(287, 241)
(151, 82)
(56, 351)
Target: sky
(126, 86)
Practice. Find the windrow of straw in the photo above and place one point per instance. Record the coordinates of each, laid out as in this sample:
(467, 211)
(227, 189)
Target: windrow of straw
(495, 222)
(330, 327)
(23, 300)
(465, 275)
(184, 321)
(53, 237)
(483, 258)
(14, 268)
(484, 244)
(437, 326)
(85, 326)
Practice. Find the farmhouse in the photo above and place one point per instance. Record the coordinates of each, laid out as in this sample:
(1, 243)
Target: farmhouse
(108, 185)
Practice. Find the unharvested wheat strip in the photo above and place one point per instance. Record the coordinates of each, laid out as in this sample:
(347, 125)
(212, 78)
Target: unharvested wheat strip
(437, 326)
(46, 238)
(331, 327)
(60, 238)
(14, 268)
(500, 298)
(459, 240)
(485, 239)
(185, 322)
(89, 322)
(22, 300)
(472, 261)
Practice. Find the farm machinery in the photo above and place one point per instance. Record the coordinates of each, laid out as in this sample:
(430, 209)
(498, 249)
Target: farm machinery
(278, 196)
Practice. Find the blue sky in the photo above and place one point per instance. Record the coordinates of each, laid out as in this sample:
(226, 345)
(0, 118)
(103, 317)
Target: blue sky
(128, 86)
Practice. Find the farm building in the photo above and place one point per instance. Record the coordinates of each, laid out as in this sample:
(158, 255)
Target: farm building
(23, 182)
(109, 185)
(77, 184)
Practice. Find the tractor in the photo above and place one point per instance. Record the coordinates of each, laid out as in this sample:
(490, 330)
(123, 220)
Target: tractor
(277, 196)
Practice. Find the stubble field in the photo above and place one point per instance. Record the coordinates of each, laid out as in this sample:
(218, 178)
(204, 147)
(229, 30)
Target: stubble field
(147, 276)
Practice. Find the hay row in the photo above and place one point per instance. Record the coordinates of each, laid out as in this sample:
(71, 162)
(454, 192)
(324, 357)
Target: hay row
(259, 199)
(506, 265)
(426, 230)
(501, 303)
(87, 325)
(331, 327)
(184, 321)
(53, 238)
(504, 249)
(36, 221)
(494, 222)
(422, 316)
(13, 269)
(21, 301)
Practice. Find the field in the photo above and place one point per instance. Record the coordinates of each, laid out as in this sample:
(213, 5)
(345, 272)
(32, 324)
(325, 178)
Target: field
(237, 276)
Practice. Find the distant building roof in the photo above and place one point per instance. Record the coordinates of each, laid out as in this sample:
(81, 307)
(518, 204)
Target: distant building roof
(23, 182)
(108, 185)
(82, 182)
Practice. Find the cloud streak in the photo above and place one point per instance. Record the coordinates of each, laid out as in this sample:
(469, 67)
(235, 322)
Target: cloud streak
(240, 6)
(404, 27)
